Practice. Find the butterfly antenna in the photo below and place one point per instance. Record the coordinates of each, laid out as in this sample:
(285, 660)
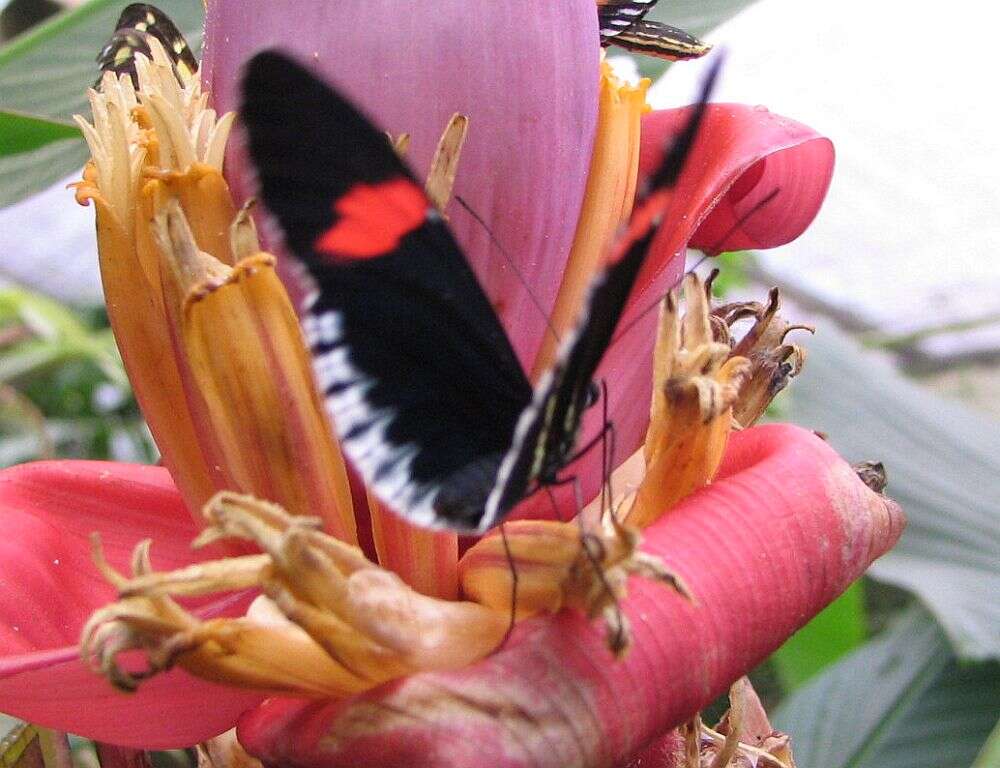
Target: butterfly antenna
(513, 584)
(605, 476)
(709, 253)
(512, 264)
(673, 163)
(713, 249)
(612, 451)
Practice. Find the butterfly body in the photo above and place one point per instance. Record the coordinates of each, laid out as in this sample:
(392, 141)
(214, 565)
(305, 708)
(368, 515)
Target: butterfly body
(421, 383)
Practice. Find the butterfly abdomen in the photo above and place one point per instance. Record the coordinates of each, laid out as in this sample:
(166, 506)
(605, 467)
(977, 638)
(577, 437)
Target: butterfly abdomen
(462, 496)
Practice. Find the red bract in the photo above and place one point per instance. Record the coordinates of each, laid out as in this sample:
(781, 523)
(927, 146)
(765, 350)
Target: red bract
(785, 528)
(49, 587)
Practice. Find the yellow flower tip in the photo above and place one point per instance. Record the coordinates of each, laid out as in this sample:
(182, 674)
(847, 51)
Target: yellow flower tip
(444, 164)
(86, 189)
(225, 751)
(773, 361)
(400, 143)
(607, 202)
(335, 624)
(161, 123)
(243, 239)
(222, 276)
(194, 272)
(696, 381)
(546, 566)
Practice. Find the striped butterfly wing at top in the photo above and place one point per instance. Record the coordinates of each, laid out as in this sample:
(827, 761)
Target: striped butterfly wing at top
(623, 23)
(616, 16)
(137, 24)
(423, 387)
(661, 41)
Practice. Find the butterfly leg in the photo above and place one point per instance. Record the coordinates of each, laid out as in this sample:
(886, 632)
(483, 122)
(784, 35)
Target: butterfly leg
(596, 553)
(513, 584)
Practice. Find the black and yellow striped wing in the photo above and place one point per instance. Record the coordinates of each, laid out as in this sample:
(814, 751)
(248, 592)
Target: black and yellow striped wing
(616, 16)
(661, 40)
(137, 24)
(623, 23)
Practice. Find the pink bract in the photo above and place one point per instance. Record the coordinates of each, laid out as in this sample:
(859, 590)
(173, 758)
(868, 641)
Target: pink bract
(49, 587)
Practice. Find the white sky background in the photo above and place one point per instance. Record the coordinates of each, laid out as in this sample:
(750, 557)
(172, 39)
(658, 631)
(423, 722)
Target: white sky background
(910, 234)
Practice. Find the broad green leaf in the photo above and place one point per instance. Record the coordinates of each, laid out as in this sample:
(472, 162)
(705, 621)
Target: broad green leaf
(943, 463)
(23, 133)
(46, 72)
(948, 724)
(989, 757)
(29, 172)
(837, 630)
(697, 16)
(901, 701)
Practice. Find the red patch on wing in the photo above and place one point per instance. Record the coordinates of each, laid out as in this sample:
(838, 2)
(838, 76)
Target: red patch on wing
(373, 218)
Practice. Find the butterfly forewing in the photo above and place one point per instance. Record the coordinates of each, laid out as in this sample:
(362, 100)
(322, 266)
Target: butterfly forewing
(548, 430)
(423, 386)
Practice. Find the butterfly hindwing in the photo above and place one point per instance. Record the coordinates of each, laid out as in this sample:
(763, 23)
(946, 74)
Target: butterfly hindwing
(423, 386)
(137, 24)
(661, 41)
(623, 23)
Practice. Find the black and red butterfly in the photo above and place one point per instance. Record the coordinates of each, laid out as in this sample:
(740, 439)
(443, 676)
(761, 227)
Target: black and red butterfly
(623, 23)
(423, 387)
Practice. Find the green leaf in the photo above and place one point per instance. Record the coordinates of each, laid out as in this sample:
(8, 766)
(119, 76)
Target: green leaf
(989, 757)
(943, 463)
(59, 335)
(45, 74)
(837, 630)
(697, 16)
(29, 172)
(22, 133)
(901, 701)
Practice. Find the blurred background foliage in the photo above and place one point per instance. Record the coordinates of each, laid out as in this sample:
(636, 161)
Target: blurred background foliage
(902, 670)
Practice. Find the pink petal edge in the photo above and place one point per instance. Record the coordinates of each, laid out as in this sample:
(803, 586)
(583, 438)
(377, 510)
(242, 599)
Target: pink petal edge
(743, 155)
(49, 586)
